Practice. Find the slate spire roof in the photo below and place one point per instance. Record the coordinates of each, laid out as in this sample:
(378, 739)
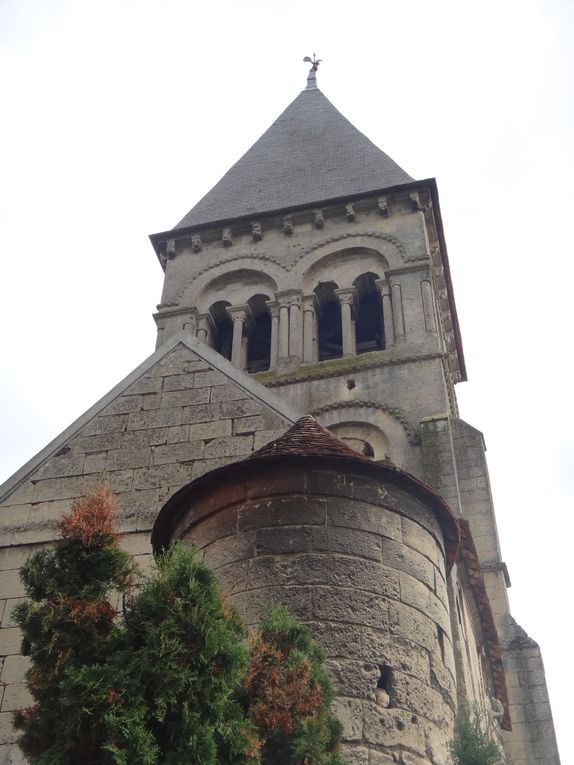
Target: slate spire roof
(309, 154)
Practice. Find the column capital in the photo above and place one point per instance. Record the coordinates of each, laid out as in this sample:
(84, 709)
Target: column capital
(383, 286)
(288, 298)
(273, 308)
(310, 302)
(346, 295)
(240, 313)
(205, 321)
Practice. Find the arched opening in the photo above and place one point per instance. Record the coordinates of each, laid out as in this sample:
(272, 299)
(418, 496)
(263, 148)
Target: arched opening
(363, 437)
(259, 345)
(369, 329)
(329, 324)
(224, 328)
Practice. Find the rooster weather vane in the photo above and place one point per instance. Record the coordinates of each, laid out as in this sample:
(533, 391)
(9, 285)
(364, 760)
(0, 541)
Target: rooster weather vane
(313, 61)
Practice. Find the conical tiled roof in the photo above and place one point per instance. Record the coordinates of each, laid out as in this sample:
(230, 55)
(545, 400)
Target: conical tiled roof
(310, 153)
(308, 439)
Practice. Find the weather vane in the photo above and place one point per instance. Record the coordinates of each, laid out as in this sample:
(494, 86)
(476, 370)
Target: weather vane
(313, 61)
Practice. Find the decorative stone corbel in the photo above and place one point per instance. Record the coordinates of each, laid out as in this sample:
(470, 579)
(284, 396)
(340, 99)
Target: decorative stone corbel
(383, 205)
(287, 225)
(196, 242)
(319, 219)
(350, 212)
(226, 237)
(170, 249)
(256, 232)
(416, 202)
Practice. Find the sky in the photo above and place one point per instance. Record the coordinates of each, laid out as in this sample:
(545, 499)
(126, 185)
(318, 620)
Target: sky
(119, 115)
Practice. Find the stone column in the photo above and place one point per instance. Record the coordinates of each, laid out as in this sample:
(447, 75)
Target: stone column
(206, 328)
(388, 324)
(310, 306)
(398, 313)
(295, 330)
(289, 324)
(273, 307)
(239, 315)
(346, 298)
(283, 331)
(428, 308)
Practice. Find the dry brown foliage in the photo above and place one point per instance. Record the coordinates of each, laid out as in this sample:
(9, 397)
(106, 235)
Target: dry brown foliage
(91, 518)
(280, 695)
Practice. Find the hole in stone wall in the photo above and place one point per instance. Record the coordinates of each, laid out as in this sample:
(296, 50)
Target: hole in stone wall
(384, 680)
(384, 686)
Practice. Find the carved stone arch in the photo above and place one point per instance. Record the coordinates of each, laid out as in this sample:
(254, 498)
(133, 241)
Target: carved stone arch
(272, 273)
(343, 266)
(389, 423)
(387, 250)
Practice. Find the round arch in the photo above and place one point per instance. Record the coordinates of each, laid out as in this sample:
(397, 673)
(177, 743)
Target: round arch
(236, 287)
(370, 422)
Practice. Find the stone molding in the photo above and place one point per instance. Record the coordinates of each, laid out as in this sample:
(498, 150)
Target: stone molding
(413, 436)
(335, 367)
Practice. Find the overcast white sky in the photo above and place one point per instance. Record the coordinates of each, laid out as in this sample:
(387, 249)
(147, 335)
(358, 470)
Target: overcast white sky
(118, 115)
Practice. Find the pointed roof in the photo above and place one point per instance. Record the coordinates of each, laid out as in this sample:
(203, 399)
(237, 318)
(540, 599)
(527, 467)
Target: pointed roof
(307, 438)
(309, 154)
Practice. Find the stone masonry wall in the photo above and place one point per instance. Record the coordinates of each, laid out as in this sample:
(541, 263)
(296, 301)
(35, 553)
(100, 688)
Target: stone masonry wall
(178, 420)
(370, 585)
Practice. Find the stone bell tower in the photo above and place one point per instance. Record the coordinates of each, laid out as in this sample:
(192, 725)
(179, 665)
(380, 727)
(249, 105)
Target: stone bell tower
(298, 422)
(319, 266)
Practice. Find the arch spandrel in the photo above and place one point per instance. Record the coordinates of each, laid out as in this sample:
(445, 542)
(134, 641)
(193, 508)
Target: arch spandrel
(344, 266)
(380, 250)
(237, 287)
(271, 276)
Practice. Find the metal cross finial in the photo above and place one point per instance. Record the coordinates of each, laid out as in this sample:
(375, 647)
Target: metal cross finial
(313, 61)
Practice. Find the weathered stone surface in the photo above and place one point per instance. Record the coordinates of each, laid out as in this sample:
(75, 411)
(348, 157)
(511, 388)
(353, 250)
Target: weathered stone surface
(354, 678)
(393, 727)
(14, 669)
(352, 542)
(228, 392)
(185, 397)
(120, 459)
(354, 514)
(404, 559)
(103, 424)
(186, 451)
(209, 430)
(350, 713)
(283, 511)
(230, 446)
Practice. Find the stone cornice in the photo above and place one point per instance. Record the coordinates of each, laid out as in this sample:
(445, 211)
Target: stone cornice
(335, 367)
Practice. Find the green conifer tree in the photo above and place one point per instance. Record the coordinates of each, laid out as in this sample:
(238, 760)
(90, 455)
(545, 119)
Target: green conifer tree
(288, 695)
(180, 659)
(472, 743)
(67, 624)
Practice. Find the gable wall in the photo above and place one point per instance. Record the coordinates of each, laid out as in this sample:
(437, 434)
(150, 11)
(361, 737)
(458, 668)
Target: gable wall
(179, 420)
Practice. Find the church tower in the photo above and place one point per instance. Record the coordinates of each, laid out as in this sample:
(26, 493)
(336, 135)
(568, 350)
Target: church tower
(311, 285)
